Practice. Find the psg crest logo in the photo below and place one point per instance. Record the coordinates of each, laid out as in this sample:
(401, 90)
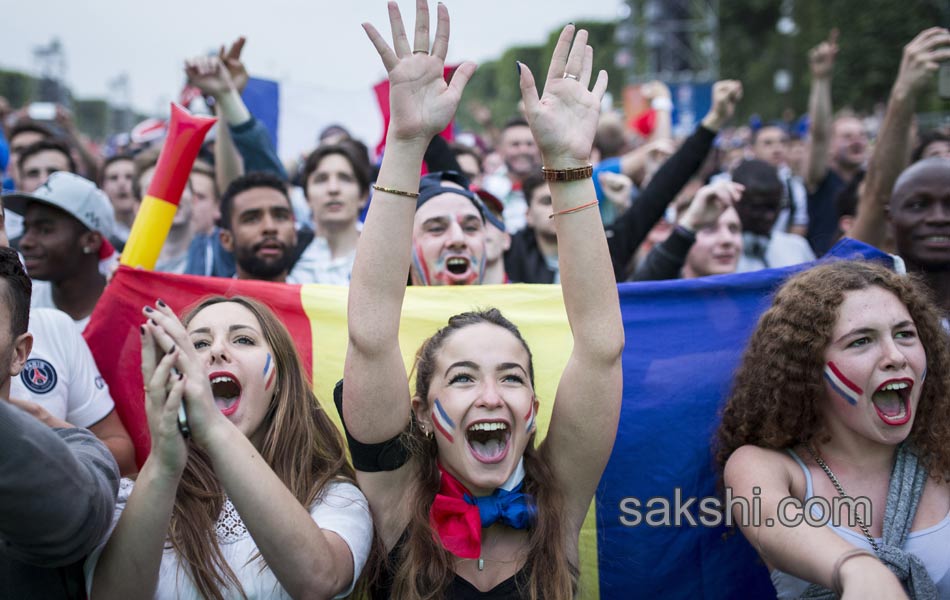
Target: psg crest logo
(38, 376)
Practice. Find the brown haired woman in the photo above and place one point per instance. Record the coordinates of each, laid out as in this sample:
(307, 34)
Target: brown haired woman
(841, 400)
(260, 502)
(464, 503)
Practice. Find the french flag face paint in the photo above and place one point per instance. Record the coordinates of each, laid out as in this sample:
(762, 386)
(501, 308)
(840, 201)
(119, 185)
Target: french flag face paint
(845, 388)
(529, 418)
(269, 372)
(442, 422)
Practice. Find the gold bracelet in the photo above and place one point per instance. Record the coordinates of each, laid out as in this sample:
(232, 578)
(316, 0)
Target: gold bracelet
(568, 174)
(836, 571)
(396, 192)
(568, 211)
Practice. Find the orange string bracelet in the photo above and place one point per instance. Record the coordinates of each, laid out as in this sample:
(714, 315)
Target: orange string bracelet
(568, 211)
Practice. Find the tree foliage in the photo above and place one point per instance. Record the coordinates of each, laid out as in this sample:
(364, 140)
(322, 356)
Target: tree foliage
(872, 36)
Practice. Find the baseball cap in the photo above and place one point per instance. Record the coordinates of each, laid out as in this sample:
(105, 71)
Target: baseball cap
(73, 194)
(431, 186)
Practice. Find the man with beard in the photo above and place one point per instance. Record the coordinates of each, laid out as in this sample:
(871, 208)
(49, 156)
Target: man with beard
(448, 233)
(257, 226)
(522, 158)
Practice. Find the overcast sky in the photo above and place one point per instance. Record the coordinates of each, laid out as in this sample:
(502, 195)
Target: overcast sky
(312, 46)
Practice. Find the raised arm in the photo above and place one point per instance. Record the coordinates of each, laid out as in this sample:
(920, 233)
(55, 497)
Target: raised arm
(376, 389)
(129, 564)
(920, 61)
(632, 227)
(587, 405)
(376, 401)
(822, 61)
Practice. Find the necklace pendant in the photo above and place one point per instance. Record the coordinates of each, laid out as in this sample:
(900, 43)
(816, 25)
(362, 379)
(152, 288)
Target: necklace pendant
(481, 564)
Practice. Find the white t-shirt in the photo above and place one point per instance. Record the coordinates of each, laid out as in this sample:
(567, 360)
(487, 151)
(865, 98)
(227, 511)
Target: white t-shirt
(60, 374)
(43, 298)
(342, 510)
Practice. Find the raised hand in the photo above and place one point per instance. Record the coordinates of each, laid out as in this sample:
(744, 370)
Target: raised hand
(163, 394)
(616, 188)
(564, 119)
(231, 59)
(421, 103)
(821, 58)
(921, 59)
(709, 203)
(171, 338)
(725, 95)
(208, 74)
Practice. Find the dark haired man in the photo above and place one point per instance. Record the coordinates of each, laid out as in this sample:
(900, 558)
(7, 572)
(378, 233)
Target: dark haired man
(118, 183)
(522, 158)
(258, 227)
(40, 160)
(336, 184)
(764, 248)
(448, 232)
(532, 257)
(67, 222)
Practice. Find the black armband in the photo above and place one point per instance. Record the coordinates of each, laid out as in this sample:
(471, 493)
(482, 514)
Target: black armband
(371, 458)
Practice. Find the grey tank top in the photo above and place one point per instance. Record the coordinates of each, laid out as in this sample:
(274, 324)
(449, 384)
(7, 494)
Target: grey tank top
(930, 545)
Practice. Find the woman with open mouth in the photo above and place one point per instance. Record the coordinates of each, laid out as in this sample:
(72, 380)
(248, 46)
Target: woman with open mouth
(246, 492)
(838, 425)
(465, 504)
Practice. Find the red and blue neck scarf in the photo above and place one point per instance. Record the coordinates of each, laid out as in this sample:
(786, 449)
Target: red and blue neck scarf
(458, 517)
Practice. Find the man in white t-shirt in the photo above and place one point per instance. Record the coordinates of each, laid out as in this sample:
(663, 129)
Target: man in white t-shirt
(59, 382)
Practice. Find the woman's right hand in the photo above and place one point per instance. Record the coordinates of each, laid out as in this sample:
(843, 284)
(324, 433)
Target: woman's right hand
(421, 103)
(163, 394)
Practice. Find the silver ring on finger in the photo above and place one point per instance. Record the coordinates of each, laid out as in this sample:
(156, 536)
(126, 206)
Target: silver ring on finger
(571, 76)
(420, 52)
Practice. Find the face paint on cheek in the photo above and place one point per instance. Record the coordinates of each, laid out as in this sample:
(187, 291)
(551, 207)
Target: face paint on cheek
(529, 418)
(442, 422)
(845, 388)
(421, 269)
(268, 365)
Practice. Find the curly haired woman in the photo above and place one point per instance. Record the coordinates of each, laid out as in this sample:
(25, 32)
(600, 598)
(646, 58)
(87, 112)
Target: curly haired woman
(842, 393)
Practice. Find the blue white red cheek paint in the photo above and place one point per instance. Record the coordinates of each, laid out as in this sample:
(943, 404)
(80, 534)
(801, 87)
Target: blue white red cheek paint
(442, 422)
(845, 388)
(269, 366)
(529, 419)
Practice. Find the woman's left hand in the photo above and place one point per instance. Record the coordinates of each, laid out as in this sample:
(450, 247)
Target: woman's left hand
(564, 119)
(168, 331)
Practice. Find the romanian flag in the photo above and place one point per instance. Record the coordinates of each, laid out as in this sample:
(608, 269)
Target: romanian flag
(684, 340)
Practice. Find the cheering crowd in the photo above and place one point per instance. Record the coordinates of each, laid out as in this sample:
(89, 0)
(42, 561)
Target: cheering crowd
(438, 486)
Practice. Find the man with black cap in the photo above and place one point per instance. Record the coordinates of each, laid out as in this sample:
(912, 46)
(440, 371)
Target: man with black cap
(497, 238)
(448, 233)
(67, 223)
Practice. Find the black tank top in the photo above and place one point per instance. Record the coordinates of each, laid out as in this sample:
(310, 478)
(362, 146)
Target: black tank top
(459, 588)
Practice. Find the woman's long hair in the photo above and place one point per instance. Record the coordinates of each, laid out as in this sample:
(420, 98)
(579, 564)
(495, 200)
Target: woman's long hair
(424, 569)
(301, 445)
(779, 387)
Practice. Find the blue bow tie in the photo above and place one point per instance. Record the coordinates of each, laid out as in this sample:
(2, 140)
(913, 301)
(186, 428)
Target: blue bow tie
(513, 508)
